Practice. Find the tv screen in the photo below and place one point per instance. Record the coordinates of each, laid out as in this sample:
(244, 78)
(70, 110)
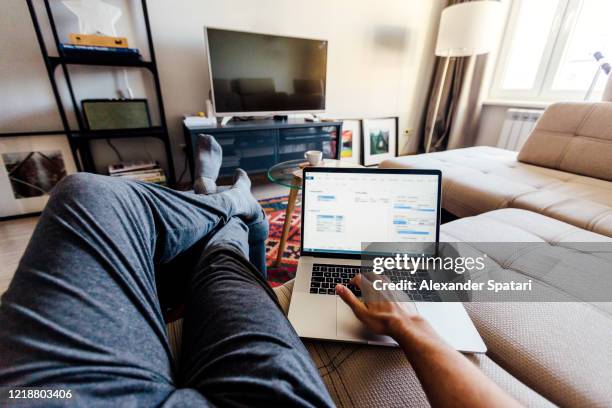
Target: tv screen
(258, 74)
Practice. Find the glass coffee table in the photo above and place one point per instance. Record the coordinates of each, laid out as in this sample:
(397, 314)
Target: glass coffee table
(289, 174)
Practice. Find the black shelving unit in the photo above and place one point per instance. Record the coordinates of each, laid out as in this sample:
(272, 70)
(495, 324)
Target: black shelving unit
(80, 138)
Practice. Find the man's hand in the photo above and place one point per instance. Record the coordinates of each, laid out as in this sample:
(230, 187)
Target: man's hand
(384, 314)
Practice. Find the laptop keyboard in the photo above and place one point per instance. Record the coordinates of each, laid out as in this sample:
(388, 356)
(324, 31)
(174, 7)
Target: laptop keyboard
(324, 279)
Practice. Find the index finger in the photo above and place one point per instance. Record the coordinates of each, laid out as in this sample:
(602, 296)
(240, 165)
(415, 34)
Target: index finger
(356, 280)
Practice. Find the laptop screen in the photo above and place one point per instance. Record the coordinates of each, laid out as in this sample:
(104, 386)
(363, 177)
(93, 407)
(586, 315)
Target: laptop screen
(343, 209)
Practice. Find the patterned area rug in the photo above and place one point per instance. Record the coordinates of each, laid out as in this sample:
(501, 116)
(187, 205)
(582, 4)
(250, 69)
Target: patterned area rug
(275, 209)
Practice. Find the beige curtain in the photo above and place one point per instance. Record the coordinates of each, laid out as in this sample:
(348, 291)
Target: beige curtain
(456, 123)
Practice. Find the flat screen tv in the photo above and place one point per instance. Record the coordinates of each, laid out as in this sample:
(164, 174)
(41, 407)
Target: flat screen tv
(258, 74)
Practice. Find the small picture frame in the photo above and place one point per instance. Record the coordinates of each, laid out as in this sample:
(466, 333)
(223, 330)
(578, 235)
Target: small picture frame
(30, 166)
(350, 141)
(379, 140)
(108, 114)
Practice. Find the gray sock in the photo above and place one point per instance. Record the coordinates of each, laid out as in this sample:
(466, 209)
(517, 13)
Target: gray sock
(243, 202)
(208, 158)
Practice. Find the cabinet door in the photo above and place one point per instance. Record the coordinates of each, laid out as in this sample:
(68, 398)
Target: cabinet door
(292, 143)
(256, 149)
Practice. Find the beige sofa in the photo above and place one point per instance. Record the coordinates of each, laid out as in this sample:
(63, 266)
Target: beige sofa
(564, 170)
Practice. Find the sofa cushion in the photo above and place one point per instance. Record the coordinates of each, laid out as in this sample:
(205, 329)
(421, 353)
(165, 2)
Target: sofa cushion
(561, 349)
(573, 137)
(480, 179)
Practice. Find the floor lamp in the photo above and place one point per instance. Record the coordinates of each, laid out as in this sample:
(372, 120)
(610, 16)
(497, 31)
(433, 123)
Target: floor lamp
(466, 29)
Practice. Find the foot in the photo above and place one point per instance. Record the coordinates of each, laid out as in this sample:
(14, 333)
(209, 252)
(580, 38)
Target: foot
(208, 162)
(245, 205)
(242, 180)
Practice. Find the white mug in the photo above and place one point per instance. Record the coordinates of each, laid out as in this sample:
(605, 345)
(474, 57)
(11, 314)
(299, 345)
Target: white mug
(314, 157)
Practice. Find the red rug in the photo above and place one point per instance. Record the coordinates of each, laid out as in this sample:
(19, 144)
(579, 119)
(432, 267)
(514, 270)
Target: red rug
(275, 209)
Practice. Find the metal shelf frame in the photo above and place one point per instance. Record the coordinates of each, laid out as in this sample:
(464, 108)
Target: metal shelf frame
(79, 139)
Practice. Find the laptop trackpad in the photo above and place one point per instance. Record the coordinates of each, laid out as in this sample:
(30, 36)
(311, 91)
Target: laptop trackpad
(348, 327)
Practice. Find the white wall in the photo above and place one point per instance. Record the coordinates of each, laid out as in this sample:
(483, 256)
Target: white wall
(380, 58)
(26, 101)
(490, 124)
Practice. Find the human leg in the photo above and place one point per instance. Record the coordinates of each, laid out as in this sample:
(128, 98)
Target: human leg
(82, 312)
(239, 349)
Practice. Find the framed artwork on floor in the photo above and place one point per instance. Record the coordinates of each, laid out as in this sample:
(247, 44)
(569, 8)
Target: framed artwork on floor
(379, 140)
(30, 166)
(351, 141)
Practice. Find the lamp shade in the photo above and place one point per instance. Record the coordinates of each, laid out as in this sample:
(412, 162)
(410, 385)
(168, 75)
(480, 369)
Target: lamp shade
(470, 28)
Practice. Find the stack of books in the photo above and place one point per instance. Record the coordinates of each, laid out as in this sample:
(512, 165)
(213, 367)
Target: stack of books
(99, 48)
(147, 171)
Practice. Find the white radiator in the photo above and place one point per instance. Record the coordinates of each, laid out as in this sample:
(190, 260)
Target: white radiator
(517, 127)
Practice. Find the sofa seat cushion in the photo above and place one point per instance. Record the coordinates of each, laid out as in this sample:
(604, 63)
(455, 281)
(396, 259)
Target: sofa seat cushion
(480, 179)
(562, 349)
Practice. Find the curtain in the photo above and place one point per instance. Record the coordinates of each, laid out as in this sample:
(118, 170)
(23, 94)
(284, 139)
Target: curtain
(457, 121)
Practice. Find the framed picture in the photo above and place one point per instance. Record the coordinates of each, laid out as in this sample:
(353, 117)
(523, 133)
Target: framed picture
(30, 166)
(379, 140)
(351, 141)
(116, 114)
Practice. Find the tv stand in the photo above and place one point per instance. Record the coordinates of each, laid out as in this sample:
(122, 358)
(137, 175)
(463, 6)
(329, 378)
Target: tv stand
(225, 120)
(257, 145)
(282, 118)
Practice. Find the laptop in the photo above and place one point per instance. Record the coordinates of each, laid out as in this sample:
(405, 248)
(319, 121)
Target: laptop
(345, 207)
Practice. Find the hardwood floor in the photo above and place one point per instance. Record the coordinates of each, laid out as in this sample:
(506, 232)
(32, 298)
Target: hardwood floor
(15, 234)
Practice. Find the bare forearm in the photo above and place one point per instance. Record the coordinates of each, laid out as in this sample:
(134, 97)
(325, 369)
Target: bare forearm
(448, 378)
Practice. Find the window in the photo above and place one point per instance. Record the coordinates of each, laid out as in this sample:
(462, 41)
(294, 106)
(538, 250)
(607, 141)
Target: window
(548, 47)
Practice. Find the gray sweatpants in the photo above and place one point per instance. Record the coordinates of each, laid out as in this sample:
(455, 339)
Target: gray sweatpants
(82, 312)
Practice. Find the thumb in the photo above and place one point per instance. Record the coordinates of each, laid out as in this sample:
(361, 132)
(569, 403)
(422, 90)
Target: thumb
(351, 300)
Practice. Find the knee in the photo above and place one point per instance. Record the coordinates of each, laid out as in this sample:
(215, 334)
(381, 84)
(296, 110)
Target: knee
(259, 228)
(81, 188)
